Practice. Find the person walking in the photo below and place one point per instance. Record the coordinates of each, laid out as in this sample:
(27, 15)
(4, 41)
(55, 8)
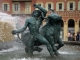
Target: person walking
(73, 37)
(69, 36)
(78, 36)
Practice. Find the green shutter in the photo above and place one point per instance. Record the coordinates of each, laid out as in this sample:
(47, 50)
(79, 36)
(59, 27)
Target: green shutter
(62, 6)
(2, 7)
(19, 7)
(46, 6)
(8, 7)
(52, 6)
(57, 7)
(74, 5)
(68, 6)
(79, 5)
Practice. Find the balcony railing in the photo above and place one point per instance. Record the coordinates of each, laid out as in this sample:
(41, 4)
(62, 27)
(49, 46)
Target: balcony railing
(69, 13)
(74, 11)
(21, 0)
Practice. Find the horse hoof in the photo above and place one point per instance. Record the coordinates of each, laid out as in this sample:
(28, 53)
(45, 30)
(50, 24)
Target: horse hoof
(26, 50)
(57, 53)
(40, 49)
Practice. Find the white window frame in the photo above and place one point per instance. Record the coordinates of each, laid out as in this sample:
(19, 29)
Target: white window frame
(16, 7)
(7, 8)
(79, 5)
(57, 6)
(68, 5)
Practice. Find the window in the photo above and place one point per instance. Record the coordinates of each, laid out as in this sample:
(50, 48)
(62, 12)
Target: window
(28, 8)
(71, 6)
(79, 5)
(60, 6)
(39, 4)
(49, 5)
(27, 5)
(5, 7)
(16, 7)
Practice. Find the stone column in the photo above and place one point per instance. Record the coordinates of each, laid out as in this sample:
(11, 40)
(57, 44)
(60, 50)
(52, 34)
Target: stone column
(76, 26)
(65, 31)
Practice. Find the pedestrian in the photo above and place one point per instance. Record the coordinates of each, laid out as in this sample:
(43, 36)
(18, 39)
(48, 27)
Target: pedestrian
(73, 37)
(69, 36)
(78, 36)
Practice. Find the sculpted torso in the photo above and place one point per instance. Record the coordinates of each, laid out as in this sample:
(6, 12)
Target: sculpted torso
(33, 25)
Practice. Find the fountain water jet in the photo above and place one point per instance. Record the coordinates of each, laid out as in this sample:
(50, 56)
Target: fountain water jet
(7, 24)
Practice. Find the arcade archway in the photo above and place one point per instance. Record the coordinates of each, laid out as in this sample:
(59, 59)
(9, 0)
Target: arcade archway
(71, 25)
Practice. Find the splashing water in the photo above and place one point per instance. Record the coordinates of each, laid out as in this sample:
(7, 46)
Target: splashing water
(13, 20)
(7, 24)
(29, 59)
(6, 18)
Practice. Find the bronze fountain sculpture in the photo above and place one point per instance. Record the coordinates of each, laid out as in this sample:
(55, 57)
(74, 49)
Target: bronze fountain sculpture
(47, 35)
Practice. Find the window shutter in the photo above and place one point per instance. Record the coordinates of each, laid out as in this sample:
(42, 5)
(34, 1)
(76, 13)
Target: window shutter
(8, 7)
(13, 7)
(19, 7)
(42, 4)
(57, 7)
(79, 5)
(47, 6)
(74, 5)
(62, 6)
(52, 6)
(2, 7)
(68, 6)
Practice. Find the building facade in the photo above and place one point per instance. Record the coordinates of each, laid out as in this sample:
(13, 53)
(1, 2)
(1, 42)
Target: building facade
(68, 9)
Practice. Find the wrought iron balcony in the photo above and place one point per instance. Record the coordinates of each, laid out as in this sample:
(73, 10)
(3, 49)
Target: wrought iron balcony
(21, 0)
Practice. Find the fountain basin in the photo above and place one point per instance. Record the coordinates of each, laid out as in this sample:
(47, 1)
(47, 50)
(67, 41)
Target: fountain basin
(67, 52)
(72, 42)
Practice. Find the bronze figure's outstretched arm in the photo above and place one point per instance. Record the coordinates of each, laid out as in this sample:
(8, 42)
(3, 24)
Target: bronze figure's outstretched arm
(41, 8)
(20, 30)
(51, 9)
(44, 11)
